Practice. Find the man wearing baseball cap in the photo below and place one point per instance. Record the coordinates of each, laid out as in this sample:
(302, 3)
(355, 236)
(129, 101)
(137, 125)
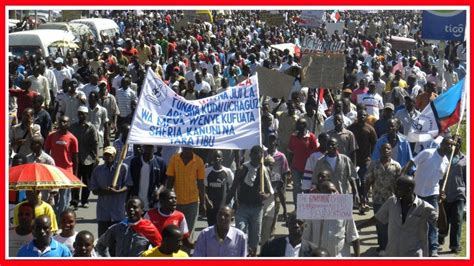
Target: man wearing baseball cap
(60, 72)
(87, 137)
(381, 126)
(111, 201)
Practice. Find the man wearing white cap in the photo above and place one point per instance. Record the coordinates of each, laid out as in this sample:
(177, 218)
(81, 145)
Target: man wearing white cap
(60, 72)
(87, 137)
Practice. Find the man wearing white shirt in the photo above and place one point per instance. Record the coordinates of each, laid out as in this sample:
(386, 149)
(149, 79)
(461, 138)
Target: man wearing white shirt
(329, 122)
(201, 84)
(411, 68)
(60, 72)
(53, 85)
(288, 64)
(117, 81)
(207, 77)
(40, 84)
(379, 84)
(372, 101)
(191, 74)
(364, 73)
(431, 166)
(91, 86)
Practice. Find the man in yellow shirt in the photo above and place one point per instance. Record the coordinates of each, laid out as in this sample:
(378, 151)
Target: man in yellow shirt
(33, 197)
(186, 175)
(170, 246)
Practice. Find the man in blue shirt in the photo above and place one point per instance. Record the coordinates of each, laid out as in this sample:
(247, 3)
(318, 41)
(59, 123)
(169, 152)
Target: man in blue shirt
(401, 151)
(111, 200)
(43, 245)
(221, 239)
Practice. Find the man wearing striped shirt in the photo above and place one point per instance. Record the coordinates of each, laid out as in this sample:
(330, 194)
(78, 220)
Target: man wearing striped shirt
(125, 96)
(372, 101)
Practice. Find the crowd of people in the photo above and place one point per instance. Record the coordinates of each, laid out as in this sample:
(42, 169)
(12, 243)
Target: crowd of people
(74, 111)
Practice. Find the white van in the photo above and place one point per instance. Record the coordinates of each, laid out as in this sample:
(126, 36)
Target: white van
(76, 29)
(32, 40)
(99, 26)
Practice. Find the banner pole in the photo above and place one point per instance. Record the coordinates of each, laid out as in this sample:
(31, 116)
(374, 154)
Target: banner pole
(445, 180)
(123, 154)
(456, 136)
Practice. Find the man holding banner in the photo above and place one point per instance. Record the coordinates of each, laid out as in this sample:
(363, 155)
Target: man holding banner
(431, 166)
(252, 189)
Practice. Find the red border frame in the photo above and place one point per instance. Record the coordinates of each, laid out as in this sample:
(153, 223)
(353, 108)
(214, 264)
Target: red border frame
(366, 262)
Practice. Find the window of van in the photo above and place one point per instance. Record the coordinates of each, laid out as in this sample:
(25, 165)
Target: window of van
(108, 32)
(20, 50)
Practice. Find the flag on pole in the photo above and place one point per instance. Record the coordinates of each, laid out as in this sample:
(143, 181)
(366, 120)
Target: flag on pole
(444, 111)
(335, 16)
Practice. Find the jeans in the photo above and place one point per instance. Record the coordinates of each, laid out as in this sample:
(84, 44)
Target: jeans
(297, 177)
(249, 220)
(454, 214)
(361, 183)
(432, 230)
(266, 234)
(85, 172)
(62, 202)
(190, 212)
(211, 215)
(382, 229)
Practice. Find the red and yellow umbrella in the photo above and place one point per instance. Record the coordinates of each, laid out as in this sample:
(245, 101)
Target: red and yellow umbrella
(37, 176)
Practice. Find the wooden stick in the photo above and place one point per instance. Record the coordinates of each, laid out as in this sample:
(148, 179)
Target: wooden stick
(262, 176)
(445, 181)
(119, 164)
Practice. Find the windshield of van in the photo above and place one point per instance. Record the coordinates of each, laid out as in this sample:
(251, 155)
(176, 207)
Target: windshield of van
(20, 50)
(108, 32)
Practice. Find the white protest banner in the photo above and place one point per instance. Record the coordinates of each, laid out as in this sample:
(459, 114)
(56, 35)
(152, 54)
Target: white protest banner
(274, 83)
(331, 28)
(312, 18)
(310, 45)
(228, 120)
(324, 206)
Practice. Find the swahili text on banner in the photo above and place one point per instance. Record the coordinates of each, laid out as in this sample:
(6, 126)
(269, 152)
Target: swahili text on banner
(228, 120)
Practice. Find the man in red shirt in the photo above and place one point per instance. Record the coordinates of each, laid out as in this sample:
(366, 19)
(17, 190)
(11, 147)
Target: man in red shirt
(24, 96)
(302, 144)
(129, 50)
(167, 214)
(62, 145)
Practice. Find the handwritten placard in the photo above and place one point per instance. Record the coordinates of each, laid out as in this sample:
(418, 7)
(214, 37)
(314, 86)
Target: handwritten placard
(324, 206)
(312, 18)
(323, 70)
(311, 45)
(272, 19)
(274, 83)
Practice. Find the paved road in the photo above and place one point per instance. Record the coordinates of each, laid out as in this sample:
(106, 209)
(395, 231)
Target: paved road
(86, 221)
